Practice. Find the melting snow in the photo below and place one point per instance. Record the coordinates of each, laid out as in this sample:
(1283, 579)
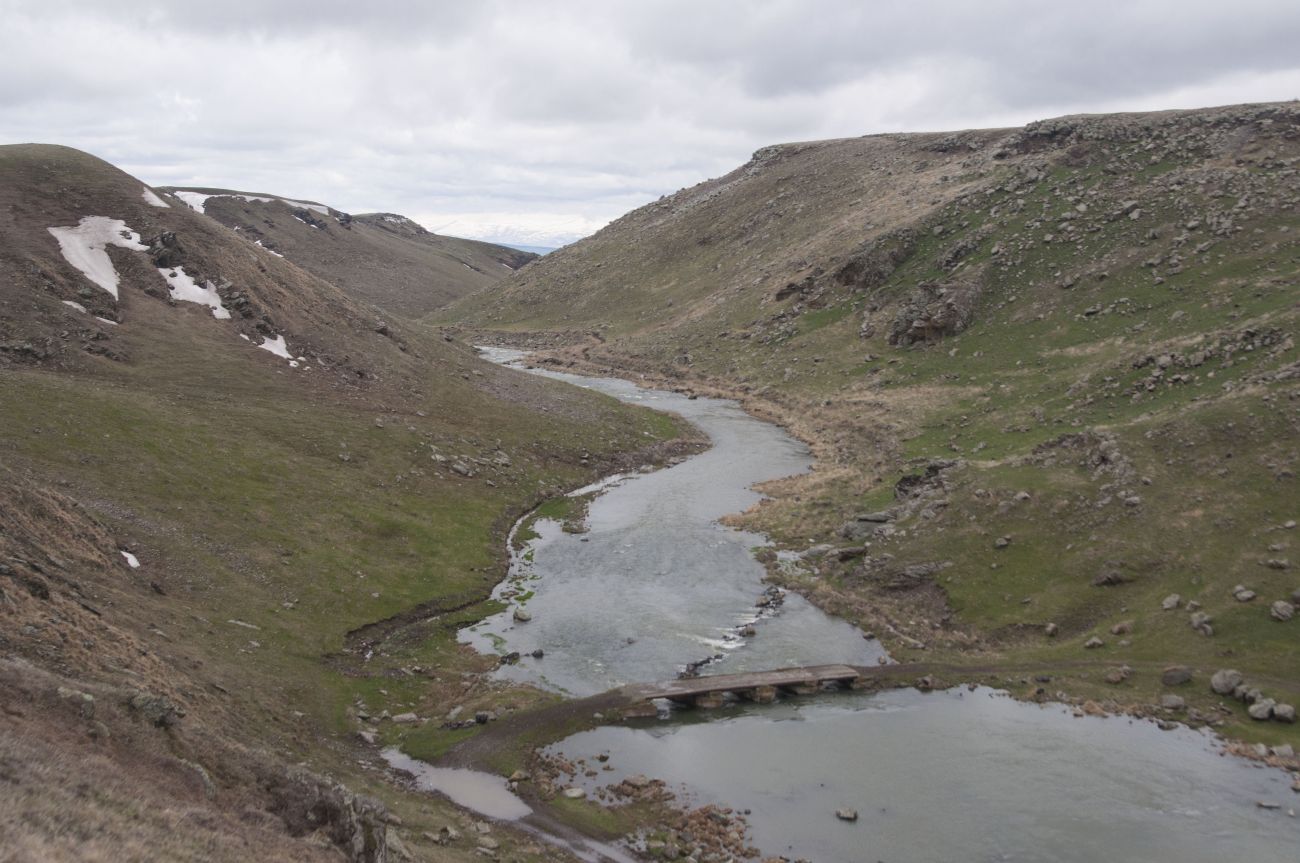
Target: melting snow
(83, 247)
(106, 321)
(184, 288)
(131, 560)
(303, 205)
(153, 200)
(194, 199)
(78, 306)
(277, 347)
(272, 251)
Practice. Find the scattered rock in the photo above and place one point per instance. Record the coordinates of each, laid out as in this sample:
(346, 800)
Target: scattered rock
(1093, 643)
(1176, 675)
(1118, 675)
(1200, 621)
(522, 616)
(1282, 611)
(1002, 542)
(1284, 713)
(1122, 628)
(1242, 594)
(1169, 701)
(1261, 709)
(846, 814)
(574, 793)
(1170, 602)
(1051, 630)
(406, 719)
(1225, 681)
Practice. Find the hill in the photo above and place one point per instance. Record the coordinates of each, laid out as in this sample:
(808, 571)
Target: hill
(381, 258)
(241, 517)
(1049, 375)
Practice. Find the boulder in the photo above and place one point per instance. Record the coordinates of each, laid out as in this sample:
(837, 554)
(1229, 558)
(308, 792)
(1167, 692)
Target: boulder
(1093, 643)
(574, 793)
(1170, 602)
(1281, 611)
(1284, 713)
(1176, 675)
(1225, 680)
(1170, 701)
(522, 616)
(1261, 709)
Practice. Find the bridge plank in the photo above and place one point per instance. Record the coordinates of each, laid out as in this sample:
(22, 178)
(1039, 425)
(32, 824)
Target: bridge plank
(692, 686)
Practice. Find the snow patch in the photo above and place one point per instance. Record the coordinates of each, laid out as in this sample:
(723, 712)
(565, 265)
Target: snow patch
(195, 200)
(277, 347)
(131, 560)
(78, 306)
(83, 247)
(303, 205)
(185, 288)
(272, 251)
(106, 321)
(153, 200)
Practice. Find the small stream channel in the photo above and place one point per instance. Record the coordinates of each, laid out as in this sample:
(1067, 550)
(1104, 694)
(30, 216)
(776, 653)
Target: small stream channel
(656, 584)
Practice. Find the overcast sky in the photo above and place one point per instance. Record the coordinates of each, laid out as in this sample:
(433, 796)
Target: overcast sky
(539, 121)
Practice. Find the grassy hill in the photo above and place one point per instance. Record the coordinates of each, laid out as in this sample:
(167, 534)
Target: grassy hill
(1049, 375)
(220, 566)
(382, 258)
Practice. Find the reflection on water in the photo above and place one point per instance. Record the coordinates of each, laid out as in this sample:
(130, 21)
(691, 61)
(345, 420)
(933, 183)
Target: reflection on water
(959, 776)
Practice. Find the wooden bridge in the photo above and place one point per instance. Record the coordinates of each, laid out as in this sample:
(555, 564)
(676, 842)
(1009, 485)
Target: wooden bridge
(758, 686)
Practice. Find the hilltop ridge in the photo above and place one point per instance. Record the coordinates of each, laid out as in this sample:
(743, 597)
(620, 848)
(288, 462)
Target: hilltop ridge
(382, 258)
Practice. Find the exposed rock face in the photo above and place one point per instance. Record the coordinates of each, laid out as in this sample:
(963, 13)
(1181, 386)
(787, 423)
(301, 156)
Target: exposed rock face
(308, 802)
(933, 312)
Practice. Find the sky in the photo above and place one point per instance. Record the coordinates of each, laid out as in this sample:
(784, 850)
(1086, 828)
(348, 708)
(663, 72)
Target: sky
(539, 122)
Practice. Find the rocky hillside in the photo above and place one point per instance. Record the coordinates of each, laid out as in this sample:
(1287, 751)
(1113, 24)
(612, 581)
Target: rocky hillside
(241, 517)
(1049, 373)
(381, 258)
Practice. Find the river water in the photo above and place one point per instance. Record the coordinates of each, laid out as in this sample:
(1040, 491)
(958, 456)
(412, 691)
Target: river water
(963, 775)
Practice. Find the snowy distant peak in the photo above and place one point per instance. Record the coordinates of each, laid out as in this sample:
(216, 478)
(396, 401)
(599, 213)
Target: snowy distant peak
(517, 230)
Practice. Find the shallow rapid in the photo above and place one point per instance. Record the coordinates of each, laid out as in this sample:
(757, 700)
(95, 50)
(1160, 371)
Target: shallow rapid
(656, 583)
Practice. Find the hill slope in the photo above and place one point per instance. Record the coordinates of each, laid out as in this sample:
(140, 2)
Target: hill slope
(1049, 373)
(220, 566)
(381, 258)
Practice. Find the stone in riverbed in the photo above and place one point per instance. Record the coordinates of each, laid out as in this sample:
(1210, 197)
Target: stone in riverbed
(1176, 675)
(1225, 680)
(522, 616)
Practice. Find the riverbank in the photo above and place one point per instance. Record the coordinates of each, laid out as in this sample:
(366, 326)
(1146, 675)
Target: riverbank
(891, 576)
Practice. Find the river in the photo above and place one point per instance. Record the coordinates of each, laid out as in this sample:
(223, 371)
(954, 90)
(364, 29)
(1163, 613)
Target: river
(964, 775)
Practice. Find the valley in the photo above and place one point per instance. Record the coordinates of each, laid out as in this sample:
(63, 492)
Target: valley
(289, 496)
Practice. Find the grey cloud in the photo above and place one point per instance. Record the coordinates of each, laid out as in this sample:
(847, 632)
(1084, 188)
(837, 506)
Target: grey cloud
(577, 111)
